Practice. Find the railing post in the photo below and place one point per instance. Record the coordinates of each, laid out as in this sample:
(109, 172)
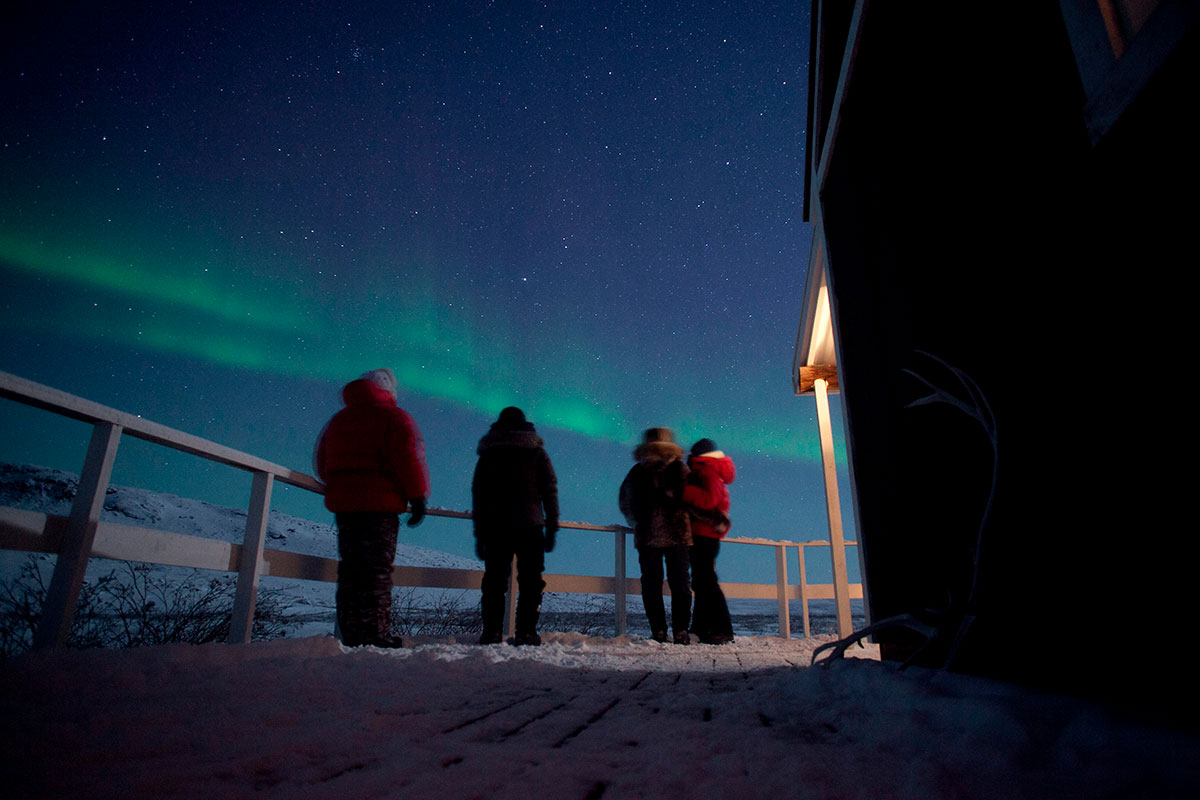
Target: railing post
(619, 582)
(251, 564)
(781, 583)
(803, 588)
(58, 611)
(837, 547)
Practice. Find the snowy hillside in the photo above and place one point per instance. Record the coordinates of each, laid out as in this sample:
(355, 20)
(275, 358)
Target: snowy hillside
(51, 491)
(308, 605)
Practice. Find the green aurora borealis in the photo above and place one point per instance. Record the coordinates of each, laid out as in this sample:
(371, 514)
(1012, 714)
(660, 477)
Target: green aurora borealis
(438, 350)
(216, 216)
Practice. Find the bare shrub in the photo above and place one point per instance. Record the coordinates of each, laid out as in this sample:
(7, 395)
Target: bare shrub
(451, 614)
(132, 605)
(596, 617)
(447, 614)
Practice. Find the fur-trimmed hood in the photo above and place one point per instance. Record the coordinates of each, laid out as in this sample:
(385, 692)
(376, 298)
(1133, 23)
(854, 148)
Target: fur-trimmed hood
(651, 496)
(508, 437)
(656, 455)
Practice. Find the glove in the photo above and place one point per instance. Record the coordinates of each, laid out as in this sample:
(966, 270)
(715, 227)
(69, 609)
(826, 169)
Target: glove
(417, 507)
(551, 535)
(480, 549)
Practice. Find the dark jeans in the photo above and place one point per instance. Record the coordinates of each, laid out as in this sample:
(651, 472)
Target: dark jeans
(367, 548)
(529, 547)
(710, 619)
(651, 560)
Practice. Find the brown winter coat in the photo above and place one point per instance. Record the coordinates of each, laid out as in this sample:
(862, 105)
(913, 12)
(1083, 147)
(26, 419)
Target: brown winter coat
(651, 496)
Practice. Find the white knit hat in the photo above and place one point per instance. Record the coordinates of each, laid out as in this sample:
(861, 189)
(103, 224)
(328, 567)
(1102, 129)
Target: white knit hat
(384, 378)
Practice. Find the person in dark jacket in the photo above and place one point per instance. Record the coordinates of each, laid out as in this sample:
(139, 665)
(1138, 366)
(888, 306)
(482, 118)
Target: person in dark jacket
(371, 458)
(710, 473)
(651, 498)
(514, 495)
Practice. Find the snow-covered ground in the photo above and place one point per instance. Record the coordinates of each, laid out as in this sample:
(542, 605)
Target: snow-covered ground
(575, 718)
(579, 717)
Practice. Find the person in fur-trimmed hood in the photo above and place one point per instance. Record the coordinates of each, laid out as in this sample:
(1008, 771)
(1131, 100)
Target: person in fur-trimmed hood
(651, 498)
(707, 490)
(371, 457)
(514, 495)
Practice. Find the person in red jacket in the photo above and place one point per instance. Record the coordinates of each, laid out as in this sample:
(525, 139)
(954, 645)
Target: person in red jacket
(706, 490)
(371, 458)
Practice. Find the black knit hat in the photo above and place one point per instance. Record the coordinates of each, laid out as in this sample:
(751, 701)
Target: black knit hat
(703, 446)
(511, 417)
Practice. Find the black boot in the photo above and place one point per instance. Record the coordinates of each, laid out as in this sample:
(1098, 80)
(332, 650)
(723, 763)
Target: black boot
(492, 608)
(529, 610)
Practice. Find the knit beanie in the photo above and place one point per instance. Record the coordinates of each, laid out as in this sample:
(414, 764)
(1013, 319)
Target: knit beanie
(703, 446)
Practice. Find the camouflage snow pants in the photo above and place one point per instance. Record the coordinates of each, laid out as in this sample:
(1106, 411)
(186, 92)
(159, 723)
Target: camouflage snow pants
(367, 548)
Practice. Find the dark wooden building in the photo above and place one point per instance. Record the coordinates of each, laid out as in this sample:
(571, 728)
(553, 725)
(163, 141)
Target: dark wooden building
(1011, 190)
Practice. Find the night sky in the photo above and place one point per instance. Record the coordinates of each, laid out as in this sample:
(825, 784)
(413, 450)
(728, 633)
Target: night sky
(215, 214)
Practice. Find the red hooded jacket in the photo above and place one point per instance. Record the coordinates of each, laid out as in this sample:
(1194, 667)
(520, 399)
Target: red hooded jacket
(706, 488)
(371, 455)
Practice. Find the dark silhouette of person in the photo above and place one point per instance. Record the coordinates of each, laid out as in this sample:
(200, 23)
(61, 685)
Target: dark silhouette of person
(514, 495)
(706, 491)
(371, 458)
(651, 498)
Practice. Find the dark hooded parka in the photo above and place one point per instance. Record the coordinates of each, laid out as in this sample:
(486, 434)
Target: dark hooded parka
(514, 495)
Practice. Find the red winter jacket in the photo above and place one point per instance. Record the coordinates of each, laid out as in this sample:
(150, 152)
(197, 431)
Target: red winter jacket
(371, 455)
(706, 488)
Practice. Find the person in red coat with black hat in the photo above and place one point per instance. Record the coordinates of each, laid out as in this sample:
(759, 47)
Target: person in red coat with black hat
(707, 490)
(371, 457)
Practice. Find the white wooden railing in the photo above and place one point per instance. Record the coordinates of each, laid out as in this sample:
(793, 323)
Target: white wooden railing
(81, 535)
